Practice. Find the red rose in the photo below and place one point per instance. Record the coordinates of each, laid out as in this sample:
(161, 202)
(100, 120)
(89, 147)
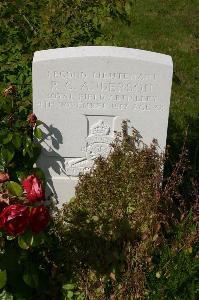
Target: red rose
(4, 202)
(4, 177)
(39, 218)
(14, 219)
(33, 188)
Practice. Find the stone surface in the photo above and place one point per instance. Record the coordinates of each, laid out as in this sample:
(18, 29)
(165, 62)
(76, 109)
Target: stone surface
(82, 94)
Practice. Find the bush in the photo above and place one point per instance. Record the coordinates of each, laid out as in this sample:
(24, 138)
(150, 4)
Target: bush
(125, 235)
(39, 25)
(23, 216)
(18, 151)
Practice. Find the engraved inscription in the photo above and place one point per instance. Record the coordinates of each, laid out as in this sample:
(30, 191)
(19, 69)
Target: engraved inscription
(48, 105)
(72, 91)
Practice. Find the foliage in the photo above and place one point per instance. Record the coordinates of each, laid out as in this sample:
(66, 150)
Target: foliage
(18, 151)
(37, 25)
(22, 213)
(127, 239)
(106, 243)
(175, 273)
(23, 266)
(26, 269)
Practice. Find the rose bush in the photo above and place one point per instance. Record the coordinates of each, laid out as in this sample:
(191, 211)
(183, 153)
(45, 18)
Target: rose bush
(18, 214)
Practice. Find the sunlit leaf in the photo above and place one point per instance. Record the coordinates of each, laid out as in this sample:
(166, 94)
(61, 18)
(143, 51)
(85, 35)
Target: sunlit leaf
(26, 241)
(38, 133)
(15, 188)
(6, 296)
(68, 286)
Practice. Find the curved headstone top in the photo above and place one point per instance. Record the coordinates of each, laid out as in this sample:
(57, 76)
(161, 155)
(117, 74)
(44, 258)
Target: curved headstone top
(102, 51)
(82, 94)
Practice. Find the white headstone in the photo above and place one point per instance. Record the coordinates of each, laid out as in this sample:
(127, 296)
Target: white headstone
(82, 94)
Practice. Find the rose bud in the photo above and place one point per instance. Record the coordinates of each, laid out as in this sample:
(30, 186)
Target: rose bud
(14, 219)
(4, 177)
(11, 90)
(39, 218)
(32, 119)
(33, 188)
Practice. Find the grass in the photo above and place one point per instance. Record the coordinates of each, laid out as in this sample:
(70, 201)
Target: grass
(170, 27)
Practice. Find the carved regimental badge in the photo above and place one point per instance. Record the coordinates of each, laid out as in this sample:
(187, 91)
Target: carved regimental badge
(97, 144)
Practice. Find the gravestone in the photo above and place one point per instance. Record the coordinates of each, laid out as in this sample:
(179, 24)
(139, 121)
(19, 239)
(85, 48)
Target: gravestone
(82, 94)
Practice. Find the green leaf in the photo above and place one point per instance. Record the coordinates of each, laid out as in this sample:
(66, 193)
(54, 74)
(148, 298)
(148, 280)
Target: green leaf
(31, 279)
(39, 122)
(12, 78)
(15, 188)
(70, 294)
(7, 139)
(6, 296)
(24, 152)
(21, 175)
(38, 239)
(16, 140)
(38, 133)
(22, 243)
(68, 286)
(3, 278)
(128, 8)
(7, 155)
(28, 142)
(10, 237)
(26, 241)
(3, 133)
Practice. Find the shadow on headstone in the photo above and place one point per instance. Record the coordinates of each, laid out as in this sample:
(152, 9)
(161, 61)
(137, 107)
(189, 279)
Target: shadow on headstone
(50, 160)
